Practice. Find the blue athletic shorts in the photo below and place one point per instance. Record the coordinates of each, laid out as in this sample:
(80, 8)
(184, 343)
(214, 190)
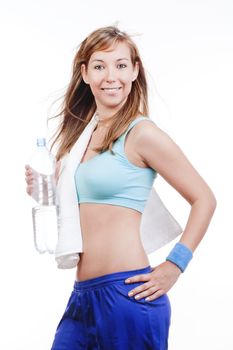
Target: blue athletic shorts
(100, 315)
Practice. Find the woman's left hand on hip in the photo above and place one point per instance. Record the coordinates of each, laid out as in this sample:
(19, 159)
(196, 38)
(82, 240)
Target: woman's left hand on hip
(157, 282)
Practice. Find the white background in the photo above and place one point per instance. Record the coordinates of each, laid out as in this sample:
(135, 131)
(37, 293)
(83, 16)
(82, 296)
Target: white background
(187, 48)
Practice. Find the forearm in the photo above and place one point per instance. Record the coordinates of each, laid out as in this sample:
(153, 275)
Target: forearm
(199, 218)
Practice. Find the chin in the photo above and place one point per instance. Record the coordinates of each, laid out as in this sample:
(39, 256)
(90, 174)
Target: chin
(113, 104)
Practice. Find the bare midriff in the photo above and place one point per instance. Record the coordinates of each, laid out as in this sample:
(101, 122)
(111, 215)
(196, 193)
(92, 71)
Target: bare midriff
(111, 240)
(110, 233)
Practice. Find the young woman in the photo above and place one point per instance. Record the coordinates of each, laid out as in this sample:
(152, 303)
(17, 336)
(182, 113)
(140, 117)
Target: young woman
(116, 173)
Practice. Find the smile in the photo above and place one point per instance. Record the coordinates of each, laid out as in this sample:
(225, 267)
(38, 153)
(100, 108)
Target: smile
(111, 89)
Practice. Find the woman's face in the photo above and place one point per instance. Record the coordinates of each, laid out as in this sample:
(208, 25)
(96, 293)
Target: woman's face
(110, 75)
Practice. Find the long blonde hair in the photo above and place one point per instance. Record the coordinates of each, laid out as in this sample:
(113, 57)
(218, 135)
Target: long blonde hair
(79, 103)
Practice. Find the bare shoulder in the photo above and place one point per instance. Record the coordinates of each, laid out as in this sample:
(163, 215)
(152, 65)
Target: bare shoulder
(160, 152)
(147, 133)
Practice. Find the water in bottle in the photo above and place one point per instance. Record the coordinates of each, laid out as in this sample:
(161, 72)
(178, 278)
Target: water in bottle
(44, 212)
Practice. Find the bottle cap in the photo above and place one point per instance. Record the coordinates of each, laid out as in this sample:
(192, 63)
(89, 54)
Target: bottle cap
(41, 142)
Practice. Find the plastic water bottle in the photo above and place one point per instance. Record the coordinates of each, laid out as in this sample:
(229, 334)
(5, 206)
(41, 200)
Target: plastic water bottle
(44, 211)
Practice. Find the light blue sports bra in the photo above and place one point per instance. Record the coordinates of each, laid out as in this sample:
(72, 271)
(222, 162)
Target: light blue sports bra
(112, 179)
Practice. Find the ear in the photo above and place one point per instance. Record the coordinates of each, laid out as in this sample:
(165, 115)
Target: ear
(136, 71)
(84, 73)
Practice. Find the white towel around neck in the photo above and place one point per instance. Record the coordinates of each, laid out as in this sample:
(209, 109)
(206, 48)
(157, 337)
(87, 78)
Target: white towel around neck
(157, 228)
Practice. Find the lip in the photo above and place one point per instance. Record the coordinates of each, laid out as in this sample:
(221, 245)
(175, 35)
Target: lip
(111, 88)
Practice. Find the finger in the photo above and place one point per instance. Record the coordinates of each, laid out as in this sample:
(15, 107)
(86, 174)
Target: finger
(29, 175)
(28, 172)
(155, 295)
(29, 190)
(29, 180)
(144, 290)
(27, 167)
(138, 278)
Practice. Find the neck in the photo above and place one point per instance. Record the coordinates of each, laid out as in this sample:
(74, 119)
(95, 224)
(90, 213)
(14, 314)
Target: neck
(103, 119)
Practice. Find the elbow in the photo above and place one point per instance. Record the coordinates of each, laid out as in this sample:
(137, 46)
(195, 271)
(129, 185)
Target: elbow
(211, 202)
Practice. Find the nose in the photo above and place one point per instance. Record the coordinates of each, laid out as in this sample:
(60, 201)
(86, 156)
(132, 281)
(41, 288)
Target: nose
(110, 75)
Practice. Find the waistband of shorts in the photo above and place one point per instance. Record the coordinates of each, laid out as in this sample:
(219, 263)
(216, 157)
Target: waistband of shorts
(108, 278)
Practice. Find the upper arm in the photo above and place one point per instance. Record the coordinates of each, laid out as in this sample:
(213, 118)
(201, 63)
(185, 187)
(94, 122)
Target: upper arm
(162, 154)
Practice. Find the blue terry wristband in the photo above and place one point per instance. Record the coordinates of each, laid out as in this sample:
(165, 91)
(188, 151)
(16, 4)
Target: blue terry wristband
(180, 255)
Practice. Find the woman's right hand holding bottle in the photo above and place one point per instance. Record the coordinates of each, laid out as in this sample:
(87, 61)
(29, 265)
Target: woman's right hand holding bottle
(29, 179)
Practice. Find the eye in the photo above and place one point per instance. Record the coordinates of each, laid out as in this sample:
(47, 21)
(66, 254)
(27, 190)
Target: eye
(99, 67)
(121, 65)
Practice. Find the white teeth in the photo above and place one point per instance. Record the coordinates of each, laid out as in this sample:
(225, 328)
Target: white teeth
(110, 89)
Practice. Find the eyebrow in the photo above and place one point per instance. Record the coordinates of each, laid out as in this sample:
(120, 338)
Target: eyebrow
(119, 59)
